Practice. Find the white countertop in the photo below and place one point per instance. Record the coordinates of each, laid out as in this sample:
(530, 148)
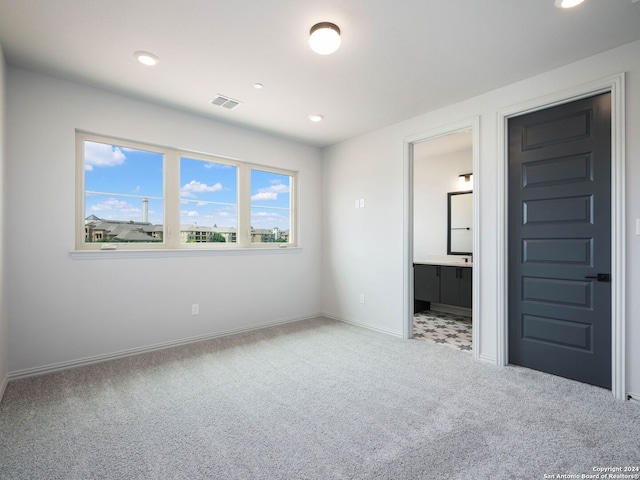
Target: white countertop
(445, 260)
(448, 264)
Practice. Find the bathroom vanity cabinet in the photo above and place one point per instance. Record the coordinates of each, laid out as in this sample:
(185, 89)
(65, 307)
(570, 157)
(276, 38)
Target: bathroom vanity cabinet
(446, 284)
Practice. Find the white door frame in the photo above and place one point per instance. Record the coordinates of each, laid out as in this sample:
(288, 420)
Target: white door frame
(615, 85)
(472, 124)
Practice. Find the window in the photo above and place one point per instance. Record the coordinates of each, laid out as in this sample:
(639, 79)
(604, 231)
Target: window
(270, 206)
(123, 194)
(208, 201)
(136, 196)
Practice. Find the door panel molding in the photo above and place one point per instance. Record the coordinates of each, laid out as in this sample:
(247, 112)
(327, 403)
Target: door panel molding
(614, 84)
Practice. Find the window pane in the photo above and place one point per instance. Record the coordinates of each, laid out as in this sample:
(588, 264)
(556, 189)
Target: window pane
(208, 201)
(123, 196)
(270, 207)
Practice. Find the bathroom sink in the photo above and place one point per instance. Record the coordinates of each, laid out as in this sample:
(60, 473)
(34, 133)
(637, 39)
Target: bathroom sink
(457, 263)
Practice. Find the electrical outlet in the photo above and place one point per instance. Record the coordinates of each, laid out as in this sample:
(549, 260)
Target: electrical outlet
(195, 309)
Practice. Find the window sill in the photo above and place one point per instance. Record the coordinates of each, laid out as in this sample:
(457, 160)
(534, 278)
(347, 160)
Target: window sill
(170, 253)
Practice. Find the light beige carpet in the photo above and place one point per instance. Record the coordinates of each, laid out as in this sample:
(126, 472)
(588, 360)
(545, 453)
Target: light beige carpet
(311, 400)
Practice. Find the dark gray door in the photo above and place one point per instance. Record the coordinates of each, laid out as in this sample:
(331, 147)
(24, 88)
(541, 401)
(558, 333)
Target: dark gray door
(560, 240)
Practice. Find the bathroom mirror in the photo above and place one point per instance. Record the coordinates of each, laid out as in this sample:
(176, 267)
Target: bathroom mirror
(460, 223)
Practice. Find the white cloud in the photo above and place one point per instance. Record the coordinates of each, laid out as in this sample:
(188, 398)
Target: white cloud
(109, 205)
(269, 220)
(264, 196)
(279, 187)
(189, 190)
(102, 155)
(113, 209)
(270, 193)
(217, 165)
(220, 218)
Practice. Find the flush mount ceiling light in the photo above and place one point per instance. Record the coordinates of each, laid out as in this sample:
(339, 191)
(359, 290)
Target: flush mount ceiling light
(324, 38)
(146, 58)
(568, 3)
(316, 117)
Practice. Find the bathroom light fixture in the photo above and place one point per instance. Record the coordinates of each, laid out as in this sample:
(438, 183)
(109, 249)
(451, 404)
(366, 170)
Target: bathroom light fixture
(568, 3)
(146, 58)
(324, 38)
(465, 179)
(316, 117)
(258, 86)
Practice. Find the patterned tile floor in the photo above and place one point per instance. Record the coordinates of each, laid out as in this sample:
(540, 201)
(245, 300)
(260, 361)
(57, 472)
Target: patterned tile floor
(444, 328)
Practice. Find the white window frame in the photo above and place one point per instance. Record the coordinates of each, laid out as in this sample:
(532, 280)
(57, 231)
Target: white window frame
(171, 202)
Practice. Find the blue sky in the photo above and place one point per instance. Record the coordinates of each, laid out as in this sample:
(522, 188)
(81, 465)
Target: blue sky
(208, 190)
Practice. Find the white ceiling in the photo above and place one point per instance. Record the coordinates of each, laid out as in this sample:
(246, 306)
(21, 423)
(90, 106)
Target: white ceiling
(397, 59)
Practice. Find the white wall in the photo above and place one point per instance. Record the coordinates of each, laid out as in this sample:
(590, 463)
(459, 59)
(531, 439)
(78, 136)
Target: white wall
(363, 249)
(4, 322)
(63, 309)
(433, 178)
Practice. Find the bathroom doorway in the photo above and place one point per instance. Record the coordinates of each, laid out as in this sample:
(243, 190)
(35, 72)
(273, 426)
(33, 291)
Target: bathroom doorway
(443, 237)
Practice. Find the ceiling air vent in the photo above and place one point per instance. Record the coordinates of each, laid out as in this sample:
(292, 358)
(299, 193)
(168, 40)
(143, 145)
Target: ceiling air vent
(224, 102)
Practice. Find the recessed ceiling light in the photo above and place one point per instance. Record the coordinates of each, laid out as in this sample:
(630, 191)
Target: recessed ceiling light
(316, 117)
(568, 3)
(146, 58)
(258, 86)
(324, 38)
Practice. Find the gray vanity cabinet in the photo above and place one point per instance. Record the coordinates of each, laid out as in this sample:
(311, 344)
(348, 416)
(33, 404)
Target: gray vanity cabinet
(427, 283)
(455, 286)
(449, 285)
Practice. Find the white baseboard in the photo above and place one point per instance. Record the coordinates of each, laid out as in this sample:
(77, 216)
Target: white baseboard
(386, 331)
(55, 367)
(487, 358)
(3, 386)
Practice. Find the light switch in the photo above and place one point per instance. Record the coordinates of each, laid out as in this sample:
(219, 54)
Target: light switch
(362, 203)
(357, 203)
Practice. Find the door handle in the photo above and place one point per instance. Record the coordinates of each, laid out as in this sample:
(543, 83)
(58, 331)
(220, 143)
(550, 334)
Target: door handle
(601, 277)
